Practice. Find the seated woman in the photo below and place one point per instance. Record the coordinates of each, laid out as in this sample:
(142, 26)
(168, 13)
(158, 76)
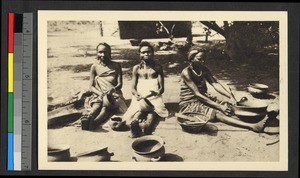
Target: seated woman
(194, 96)
(105, 84)
(147, 86)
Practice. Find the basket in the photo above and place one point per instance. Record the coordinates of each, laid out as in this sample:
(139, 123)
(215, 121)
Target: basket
(191, 125)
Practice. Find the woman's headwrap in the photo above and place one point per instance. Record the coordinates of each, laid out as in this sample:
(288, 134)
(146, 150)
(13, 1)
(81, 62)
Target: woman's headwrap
(192, 54)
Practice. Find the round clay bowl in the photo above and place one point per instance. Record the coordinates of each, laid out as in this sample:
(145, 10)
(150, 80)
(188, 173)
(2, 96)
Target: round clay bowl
(249, 116)
(58, 153)
(148, 148)
(255, 106)
(256, 91)
(151, 157)
(95, 155)
(259, 86)
(147, 144)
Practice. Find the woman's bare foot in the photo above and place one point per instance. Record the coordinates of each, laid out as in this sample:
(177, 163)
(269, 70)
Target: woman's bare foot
(259, 127)
(136, 130)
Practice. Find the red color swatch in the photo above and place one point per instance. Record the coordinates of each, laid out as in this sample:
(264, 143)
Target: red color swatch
(11, 17)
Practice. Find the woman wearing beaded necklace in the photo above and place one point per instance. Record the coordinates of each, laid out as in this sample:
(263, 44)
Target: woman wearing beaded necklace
(195, 99)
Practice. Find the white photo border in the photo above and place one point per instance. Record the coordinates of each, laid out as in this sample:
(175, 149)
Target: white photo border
(49, 15)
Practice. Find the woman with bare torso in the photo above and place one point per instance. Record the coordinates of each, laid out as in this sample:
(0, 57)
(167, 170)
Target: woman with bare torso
(147, 84)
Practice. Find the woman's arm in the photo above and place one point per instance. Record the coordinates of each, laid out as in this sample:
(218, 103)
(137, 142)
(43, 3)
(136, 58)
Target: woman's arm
(92, 82)
(119, 77)
(135, 82)
(161, 81)
(216, 85)
(185, 75)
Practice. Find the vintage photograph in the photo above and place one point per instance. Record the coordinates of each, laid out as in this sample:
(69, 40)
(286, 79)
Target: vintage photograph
(162, 90)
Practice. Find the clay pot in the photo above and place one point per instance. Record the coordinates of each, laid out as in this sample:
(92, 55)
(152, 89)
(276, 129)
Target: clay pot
(251, 111)
(249, 116)
(146, 105)
(95, 155)
(63, 115)
(259, 86)
(257, 89)
(117, 123)
(58, 153)
(148, 148)
(153, 157)
(255, 106)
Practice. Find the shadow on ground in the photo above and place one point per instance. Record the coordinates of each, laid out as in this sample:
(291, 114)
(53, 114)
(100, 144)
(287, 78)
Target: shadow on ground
(172, 157)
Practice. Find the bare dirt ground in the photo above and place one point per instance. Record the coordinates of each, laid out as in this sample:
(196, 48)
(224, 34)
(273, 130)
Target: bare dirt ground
(71, 52)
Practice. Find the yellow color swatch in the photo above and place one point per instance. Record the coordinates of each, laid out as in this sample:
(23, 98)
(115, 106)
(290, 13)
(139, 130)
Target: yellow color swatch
(10, 72)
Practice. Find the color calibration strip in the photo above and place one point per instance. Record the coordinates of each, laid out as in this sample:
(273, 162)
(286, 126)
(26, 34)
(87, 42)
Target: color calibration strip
(10, 139)
(20, 39)
(18, 60)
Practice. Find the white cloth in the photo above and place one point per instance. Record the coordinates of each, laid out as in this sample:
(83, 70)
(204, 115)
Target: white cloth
(144, 87)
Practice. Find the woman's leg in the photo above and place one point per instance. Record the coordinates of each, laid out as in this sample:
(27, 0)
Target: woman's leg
(256, 127)
(138, 116)
(96, 108)
(100, 118)
(152, 118)
(88, 118)
(135, 128)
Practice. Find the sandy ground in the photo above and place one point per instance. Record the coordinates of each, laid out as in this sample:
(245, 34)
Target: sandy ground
(71, 53)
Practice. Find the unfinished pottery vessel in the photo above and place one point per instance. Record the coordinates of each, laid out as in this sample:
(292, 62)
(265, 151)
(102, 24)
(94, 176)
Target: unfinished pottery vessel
(256, 106)
(258, 89)
(148, 148)
(95, 155)
(58, 153)
(251, 110)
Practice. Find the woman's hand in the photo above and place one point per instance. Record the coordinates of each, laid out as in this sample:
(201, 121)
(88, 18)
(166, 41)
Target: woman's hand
(111, 91)
(154, 93)
(227, 110)
(101, 96)
(138, 96)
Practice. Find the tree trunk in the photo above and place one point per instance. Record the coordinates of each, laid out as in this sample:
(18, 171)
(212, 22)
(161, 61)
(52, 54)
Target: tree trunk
(233, 47)
(206, 37)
